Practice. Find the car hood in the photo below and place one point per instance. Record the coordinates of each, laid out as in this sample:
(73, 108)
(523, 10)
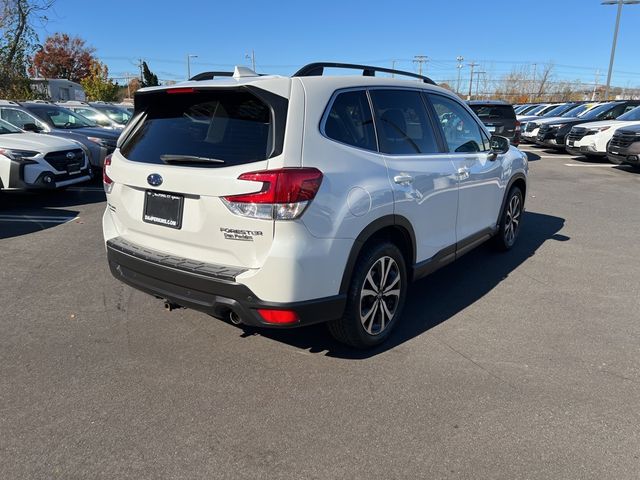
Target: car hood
(92, 132)
(36, 141)
(527, 118)
(605, 123)
(542, 121)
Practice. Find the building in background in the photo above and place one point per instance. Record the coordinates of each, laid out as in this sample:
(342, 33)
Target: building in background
(58, 89)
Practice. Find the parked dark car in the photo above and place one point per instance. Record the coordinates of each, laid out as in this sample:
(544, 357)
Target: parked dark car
(499, 118)
(624, 147)
(554, 134)
(62, 122)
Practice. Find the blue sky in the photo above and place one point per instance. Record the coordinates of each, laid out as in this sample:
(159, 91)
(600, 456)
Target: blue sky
(499, 34)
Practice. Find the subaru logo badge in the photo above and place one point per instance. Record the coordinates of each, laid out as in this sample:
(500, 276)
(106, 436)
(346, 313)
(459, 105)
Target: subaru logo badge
(154, 180)
(70, 155)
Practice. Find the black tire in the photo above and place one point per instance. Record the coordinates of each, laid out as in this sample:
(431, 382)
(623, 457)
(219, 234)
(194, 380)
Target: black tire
(506, 238)
(351, 329)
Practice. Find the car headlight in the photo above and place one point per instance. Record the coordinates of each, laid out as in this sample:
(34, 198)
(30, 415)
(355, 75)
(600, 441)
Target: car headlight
(591, 131)
(18, 155)
(557, 127)
(98, 140)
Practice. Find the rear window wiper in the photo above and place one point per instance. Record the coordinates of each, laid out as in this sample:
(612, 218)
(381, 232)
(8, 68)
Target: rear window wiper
(170, 158)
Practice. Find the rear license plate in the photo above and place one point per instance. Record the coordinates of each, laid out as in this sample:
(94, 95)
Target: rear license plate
(163, 208)
(491, 129)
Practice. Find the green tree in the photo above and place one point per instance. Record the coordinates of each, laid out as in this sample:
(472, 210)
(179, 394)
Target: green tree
(149, 79)
(97, 85)
(18, 41)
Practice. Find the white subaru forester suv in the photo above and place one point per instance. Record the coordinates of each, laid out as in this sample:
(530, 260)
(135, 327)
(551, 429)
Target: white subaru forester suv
(286, 201)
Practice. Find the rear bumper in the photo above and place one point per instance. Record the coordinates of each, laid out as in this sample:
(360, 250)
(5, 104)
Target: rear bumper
(211, 289)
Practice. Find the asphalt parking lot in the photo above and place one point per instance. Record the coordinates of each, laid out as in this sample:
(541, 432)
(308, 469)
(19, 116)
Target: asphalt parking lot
(523, 365)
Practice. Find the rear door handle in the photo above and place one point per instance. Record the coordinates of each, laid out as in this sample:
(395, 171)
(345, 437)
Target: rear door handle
(403, 179)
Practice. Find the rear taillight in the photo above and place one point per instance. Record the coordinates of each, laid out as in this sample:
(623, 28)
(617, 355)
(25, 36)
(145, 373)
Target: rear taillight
(517, 126)
(106, 180)
(284, 195)
(279, 317)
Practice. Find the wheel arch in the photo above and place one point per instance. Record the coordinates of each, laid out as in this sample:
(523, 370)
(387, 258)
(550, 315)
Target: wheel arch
(395, 228)
(518, 180)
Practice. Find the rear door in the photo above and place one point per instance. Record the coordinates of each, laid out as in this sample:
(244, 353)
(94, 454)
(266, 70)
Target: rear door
(425, 186)
(181, 157)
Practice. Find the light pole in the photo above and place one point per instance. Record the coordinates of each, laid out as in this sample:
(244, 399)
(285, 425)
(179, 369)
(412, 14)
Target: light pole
(189, 57)
(420, 59)
(460, 59)
(620, 3)
(252, 57)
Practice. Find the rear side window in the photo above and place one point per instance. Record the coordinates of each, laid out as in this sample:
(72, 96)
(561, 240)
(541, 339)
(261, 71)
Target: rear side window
(491, 112)
(209, 128)
(402, 122)
(349, 120)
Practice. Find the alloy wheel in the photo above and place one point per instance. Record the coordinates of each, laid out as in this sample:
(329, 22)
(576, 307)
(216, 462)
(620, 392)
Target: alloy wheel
(380, 295)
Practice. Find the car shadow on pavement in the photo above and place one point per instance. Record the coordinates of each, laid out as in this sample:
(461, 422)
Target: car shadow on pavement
(531, 156)
(440, 296)
(22, 213)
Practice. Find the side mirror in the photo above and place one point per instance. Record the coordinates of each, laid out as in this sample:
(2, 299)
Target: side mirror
(499, 145)
(30, 127)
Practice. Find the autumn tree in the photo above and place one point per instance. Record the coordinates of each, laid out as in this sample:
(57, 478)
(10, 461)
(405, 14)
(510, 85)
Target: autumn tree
(18, 41)
(63, 56)
(97, 85)
(149, 79)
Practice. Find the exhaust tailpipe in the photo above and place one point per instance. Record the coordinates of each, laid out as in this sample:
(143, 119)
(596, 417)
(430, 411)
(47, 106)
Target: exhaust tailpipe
(234, 318)
(169, 306)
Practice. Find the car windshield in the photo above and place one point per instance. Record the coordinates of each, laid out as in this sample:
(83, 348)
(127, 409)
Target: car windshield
(61, 117)
(557, 111)
(576, 111)
(597, 111)
(6, 127)
(118, 115)
(537, 109)
(631, 115)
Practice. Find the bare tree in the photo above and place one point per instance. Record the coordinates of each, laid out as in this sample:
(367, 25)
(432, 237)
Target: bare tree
(18, 41)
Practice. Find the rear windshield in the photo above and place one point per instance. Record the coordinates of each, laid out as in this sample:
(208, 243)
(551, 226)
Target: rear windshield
(210, 128)
(488, 112)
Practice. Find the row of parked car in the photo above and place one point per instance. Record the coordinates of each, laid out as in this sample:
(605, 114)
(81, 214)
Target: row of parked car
(593, 129)
(49, 145)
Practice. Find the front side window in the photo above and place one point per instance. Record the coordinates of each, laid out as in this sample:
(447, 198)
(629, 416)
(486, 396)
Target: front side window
(19, 118)
(462, 133)
(6, 127)
(62, 118)
(402, 122)
(349, 120)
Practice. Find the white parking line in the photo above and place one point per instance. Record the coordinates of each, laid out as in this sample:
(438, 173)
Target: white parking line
(37, 218)
(593, 166)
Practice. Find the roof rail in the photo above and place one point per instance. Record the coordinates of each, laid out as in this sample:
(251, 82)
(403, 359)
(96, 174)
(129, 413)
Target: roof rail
(210, 76)
(317, 68)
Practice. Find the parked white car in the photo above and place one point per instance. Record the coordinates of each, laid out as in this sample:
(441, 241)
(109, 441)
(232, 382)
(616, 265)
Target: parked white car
(591, 140)
(530, 128)
(285, 201)
(35, 161)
